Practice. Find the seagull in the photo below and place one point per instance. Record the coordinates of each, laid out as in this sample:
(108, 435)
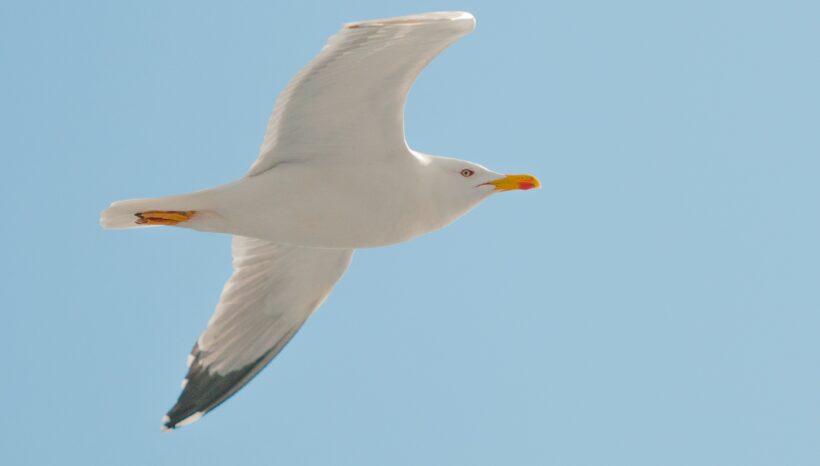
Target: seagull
(334, 174)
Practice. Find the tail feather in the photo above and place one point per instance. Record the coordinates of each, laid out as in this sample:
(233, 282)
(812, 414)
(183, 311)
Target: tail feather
(123, 214)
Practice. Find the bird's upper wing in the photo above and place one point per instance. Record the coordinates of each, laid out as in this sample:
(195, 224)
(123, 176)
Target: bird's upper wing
(274, 288)
(349, 101)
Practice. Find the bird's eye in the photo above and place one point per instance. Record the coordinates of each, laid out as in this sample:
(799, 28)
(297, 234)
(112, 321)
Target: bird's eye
(467, 172)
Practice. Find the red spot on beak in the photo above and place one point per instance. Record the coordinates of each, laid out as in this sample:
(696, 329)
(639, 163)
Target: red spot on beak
(525, 185)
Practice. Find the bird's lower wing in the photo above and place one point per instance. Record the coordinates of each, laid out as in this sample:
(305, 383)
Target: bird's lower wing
(273, 290)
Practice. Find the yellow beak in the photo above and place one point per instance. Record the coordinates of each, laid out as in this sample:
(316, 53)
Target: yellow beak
(511, 182)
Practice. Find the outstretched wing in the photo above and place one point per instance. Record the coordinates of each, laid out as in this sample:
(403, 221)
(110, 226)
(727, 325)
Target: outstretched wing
(273, 290)
(349, 101)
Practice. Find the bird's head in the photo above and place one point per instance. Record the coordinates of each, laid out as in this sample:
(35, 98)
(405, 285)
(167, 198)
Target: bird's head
(472, 178)
(467, 183)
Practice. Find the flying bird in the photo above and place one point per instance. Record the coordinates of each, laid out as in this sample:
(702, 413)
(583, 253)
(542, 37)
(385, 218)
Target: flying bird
(334, 174)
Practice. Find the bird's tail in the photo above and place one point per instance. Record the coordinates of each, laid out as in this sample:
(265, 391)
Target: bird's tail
(136, 213)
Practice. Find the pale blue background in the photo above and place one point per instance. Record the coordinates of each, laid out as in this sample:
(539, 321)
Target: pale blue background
(655, 304)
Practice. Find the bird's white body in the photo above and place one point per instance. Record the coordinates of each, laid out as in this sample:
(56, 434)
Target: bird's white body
(333, 205)
(334, 174)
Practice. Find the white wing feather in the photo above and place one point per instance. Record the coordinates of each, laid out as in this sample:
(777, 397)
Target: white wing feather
(349, 100)
(273, 290)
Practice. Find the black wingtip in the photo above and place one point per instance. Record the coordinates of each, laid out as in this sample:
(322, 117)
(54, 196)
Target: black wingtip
(204, 390)
(169, 423)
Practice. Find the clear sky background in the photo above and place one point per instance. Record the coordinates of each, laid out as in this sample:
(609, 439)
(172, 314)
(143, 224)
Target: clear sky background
(656, 303)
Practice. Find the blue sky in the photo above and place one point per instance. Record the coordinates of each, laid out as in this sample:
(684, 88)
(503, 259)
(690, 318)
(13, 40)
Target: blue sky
(655, 303)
